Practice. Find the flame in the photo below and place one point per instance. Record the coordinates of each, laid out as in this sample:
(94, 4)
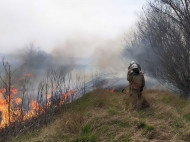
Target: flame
(18, 101)
(112, 90)
(66, 96)
(36, 108)
(18, 112)
(4, 105)
(3, 108)
(48, 96)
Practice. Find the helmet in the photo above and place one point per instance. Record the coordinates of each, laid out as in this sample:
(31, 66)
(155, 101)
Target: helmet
(134, 66)
(132, 62)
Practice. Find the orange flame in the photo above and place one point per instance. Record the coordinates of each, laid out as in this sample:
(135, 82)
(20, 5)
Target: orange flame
(4, 106)
(18, 101)
(35, 107)
(112, 90)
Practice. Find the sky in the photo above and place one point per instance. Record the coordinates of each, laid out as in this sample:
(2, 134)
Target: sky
(65, 25)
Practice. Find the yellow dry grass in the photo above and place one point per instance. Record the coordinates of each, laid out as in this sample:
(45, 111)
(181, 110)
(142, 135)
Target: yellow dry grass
(103, 116)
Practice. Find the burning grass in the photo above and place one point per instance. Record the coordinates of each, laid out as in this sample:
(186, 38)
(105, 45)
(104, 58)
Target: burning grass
(20, 119)
(17, 112)
(106, 116)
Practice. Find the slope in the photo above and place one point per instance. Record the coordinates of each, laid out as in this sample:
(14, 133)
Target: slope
(106, 116)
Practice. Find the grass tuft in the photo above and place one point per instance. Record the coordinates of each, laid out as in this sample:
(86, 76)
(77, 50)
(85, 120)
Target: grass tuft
(187, 116)
(121, 123)
(141, 124)
(86, 129)
(127, 140)
(112, 110)
(147, 129)
(86, 138)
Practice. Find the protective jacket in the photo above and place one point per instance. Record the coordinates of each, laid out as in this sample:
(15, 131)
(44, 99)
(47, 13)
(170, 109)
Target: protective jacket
(136, 85)
(136, 81)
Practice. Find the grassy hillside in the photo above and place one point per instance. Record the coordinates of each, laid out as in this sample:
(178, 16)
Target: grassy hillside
(106, 116)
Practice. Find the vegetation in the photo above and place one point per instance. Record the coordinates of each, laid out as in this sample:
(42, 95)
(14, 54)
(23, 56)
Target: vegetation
(107, 116)
(163, 36)
(26, 100)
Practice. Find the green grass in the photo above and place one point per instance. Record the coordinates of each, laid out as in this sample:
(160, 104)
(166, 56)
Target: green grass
(112, 110)
(119, 123)
(127, 140)
(181, 105)
(144, 126)
(166, 99)
(140, 124)
(127, 104)
(104, 116)
(86, 138)
(187, 117)
(147, 129)
(86, 129)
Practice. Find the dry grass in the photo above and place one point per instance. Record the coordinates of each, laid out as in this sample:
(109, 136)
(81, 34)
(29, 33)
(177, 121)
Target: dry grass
(105, 116)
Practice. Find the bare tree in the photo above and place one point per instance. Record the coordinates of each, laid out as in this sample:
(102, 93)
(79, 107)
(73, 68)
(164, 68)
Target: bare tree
(162, 43)
(7, 83)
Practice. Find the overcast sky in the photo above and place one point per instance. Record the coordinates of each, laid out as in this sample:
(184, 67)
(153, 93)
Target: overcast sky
(50, 23)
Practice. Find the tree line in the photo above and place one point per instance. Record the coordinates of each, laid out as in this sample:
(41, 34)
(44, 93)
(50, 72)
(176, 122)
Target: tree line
(161, 43)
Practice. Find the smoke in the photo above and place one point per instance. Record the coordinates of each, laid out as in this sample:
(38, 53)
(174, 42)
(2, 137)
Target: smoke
(102, 54)
(35, 63)
(107, 56)
(95, 52)
(141, 52)
(82, 55)
(76, 47)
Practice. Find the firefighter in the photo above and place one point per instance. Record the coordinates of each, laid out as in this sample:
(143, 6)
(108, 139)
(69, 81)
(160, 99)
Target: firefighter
(136, 85)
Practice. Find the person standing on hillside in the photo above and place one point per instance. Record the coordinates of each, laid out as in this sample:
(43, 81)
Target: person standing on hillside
(136, 84)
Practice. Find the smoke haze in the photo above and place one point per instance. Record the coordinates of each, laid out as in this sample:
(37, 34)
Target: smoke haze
(46, 23)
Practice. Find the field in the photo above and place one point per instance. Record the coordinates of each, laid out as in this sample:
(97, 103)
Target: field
(106, 116)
